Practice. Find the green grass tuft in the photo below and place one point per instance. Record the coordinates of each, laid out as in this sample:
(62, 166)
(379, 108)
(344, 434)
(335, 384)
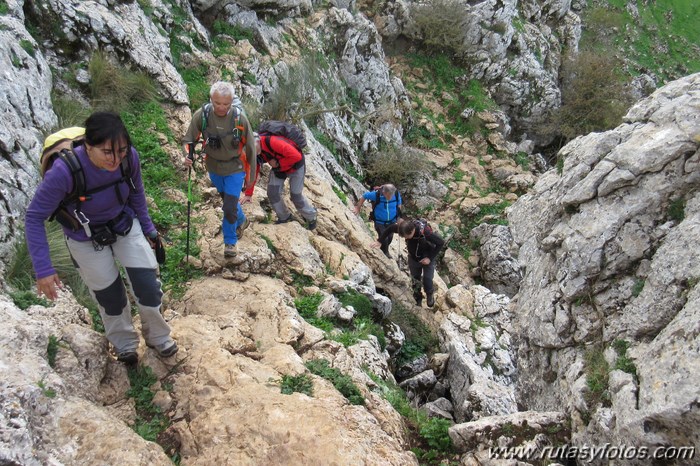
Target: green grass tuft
(297, 383)
(341, 382)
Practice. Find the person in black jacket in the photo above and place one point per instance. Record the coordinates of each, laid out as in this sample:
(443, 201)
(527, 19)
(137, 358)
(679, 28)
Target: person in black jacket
(423, 246)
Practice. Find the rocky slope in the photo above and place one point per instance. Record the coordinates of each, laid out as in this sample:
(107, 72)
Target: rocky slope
(568, 271)
(609, 252)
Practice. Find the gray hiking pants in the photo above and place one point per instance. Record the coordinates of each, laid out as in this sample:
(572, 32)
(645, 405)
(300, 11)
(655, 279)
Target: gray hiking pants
(100, 272)
(296, 186)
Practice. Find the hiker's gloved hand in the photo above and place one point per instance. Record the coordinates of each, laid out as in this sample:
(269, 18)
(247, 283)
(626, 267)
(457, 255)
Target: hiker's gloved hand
(157, 245)
(245, 199)
(47, 286)
(151, 237)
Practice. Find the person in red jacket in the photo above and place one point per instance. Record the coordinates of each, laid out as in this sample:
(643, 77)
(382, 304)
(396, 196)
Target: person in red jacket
(287, 161)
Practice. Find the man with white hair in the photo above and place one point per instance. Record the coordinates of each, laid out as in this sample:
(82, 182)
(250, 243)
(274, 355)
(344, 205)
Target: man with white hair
(386, 211)
(227, 137)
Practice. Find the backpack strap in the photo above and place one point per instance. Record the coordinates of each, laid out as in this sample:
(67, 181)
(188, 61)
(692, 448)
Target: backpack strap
(80, 193)
(237, 129)
(206, 111)
(77, 173)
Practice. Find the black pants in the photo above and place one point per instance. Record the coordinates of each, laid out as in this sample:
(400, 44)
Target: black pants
(380, 227)
(421, 273)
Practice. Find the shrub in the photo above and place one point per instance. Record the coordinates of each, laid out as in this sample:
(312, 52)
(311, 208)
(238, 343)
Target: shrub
(410, 351)
(308, 88)
(360, 302)
(402, 165)
(594, 96)
(223, 35)
(416, 331)
(442, 23)
(307, 307)
(113, 87)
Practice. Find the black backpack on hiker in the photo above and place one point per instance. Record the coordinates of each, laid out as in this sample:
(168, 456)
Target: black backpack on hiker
(423, 228)
(284, 129)
(59, 146)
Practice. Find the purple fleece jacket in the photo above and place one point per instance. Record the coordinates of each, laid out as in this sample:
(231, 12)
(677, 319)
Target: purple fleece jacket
(101, 208)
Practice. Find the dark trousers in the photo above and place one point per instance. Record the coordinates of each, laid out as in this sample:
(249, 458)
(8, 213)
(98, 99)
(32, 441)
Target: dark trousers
(424, 273)
(380, 227)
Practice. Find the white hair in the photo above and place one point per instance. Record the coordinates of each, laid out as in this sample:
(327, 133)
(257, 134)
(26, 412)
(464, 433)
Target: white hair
(223, 88)
(389, 189)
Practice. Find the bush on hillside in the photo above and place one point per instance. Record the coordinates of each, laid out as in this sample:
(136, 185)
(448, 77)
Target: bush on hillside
(401, 166)
(113, 87)
(442, 23)
(307, 88)
(595, 96)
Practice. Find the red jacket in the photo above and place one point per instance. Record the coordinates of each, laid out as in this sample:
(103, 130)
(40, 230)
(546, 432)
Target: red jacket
(283, 150)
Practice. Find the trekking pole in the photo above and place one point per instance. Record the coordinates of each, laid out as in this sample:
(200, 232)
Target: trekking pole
(189, 202)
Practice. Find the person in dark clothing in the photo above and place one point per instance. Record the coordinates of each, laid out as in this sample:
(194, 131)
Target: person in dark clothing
(423, 246)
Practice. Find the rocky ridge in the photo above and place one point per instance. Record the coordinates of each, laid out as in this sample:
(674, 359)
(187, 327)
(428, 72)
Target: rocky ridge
(222, 392)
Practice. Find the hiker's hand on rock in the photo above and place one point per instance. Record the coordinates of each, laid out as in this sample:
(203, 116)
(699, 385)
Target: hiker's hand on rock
(356, 210)
(425, 261)
(245, 199)
(376, 244)
(47, 286)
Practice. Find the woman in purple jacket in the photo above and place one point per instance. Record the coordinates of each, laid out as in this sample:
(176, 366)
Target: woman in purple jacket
(107, 233)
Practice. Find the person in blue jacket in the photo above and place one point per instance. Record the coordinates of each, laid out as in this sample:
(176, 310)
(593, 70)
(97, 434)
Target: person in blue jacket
(386, 211)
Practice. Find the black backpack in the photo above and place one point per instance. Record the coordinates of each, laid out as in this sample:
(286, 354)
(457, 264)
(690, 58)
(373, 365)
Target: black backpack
(284, 129)
(375, 202)
(423, 228)
(59, 146)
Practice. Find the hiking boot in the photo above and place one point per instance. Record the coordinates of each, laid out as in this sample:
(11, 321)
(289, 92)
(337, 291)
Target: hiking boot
(280, 221)
(431, 300)
(130, 358)
(311, 224)
(230, 250)
(165, 350)
(242, 227)
(419, 298)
